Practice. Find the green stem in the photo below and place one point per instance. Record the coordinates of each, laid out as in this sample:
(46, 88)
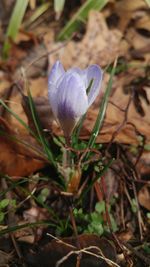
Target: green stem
(67, 159)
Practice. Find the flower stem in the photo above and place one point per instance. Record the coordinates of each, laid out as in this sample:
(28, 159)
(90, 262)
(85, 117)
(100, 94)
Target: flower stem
(67, 159)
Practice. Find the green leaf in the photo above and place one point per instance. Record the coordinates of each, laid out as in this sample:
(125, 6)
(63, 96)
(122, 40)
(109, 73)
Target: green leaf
(38, 12)
(43, 195)
(4, 203)
(134, 205)
(113, 223)
(81, 16)
(96, 228)
(100, 207)
(14, 24)
(2, 215)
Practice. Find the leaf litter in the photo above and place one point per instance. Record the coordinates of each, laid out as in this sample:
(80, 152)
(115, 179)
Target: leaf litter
(120, 30)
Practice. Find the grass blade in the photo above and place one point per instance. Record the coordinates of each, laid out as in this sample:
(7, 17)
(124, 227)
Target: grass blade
(38, 12)
(102, 110)
(39, 129)
(147, 2)
(17, 118)
(14, 24)
(15, 139)
(25, 225)
(77, 130)
(74, 24)
(40, 139)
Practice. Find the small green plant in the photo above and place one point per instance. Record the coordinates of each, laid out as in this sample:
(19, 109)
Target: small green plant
(43, 195)
(3, 205)
(95, 222)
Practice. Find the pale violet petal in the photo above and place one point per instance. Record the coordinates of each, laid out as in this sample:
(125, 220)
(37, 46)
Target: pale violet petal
(52, 95)
(72, 101)
(55, 74)
(72, 97)
(93, 72)
(82, 73)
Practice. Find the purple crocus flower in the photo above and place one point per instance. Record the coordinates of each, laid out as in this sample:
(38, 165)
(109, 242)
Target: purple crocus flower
(68, 94)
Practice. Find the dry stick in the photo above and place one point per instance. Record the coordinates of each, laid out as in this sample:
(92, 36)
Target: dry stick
(130, 123)
(110, 227)
(76, 235)
(137, 253)
(123, 122)
(137, 160)
(100, 255)
(46, 54)
(140, 221)
(61, 241)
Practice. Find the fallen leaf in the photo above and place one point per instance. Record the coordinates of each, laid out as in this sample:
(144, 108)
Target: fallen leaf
(93, 48)
(5, 258)
(50, 254)
(144, 197)
(17, 159)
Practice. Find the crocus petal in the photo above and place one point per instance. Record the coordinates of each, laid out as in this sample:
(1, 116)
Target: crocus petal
(68, 95)
(72, 101)
(54, 77)
(81, 73)
(93, 72)
(55, 74)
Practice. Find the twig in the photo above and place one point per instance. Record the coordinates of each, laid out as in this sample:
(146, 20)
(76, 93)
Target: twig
(85, 251)
(137, 253)
(122, 123)
(46, 54)
(61, 241)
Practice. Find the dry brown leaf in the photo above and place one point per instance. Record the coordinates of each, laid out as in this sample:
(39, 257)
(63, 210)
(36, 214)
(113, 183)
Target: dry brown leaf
(5, 258)
(127, 10)
(144, 197)
(54, 251)
(94, 47)
(17, 159)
